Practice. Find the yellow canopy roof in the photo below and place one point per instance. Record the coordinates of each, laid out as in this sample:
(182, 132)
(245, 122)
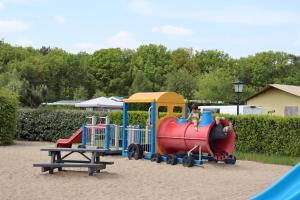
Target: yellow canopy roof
(159, 97)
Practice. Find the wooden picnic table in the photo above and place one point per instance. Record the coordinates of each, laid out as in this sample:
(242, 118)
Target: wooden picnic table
(58, 161)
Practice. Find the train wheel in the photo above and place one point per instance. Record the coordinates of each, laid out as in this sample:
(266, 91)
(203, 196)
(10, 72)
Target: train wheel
(156, 158)
(188, 161)
(230, 160)
(131, 151)
(134, 151)
(172, 160)
(140, 151)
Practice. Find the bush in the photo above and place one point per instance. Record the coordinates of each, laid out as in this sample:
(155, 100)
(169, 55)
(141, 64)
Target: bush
(8, 117)
(134, 117)
(48, 124)
(272, 135)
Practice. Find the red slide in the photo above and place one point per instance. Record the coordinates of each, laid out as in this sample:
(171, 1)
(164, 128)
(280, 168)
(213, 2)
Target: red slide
(75, 138)
(67, 143)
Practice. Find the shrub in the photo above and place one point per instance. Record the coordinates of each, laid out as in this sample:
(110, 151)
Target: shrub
(8, 117)
(48, 124)
(267, 134)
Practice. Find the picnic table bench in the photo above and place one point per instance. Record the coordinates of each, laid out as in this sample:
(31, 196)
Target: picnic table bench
(58, 161)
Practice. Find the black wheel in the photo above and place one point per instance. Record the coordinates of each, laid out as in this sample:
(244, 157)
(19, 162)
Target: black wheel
(172, 160)
(131, 151)
(230, 160)
(153, 158)
(156, 158)
(140, 151)
(188, 161)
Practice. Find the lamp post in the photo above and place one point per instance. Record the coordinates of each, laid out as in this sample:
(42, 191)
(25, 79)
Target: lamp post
(238, 88)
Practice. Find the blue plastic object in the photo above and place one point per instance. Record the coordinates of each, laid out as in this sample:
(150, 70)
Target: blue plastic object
(287, 187)
(181, 120)
(206, 118)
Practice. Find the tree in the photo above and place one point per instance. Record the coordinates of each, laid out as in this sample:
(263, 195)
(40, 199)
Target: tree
(216, 86)
(182, 82)
(140, 83)
(11, 81)
(209, 60)
(111, 70)
(80, 93)
(33, 96)
(154, 62)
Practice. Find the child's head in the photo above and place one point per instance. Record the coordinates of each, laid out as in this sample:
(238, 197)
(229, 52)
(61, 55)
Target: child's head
(194, 107)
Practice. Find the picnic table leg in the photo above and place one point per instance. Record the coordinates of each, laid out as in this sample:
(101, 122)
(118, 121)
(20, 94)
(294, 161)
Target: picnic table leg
(59, 160)
(53, 155)
(97, 161)
(93, 159)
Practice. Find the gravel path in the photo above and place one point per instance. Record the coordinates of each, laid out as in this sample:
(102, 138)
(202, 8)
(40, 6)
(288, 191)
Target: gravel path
(129, 179)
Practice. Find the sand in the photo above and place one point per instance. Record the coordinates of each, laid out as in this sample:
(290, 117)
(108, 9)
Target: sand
(129, 179)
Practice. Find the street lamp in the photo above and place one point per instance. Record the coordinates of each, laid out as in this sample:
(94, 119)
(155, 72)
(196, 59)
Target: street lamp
(238, 88)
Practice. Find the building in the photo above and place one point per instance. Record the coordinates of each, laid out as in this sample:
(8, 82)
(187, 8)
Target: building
(275, 99)
(232, 109)
(102, 104)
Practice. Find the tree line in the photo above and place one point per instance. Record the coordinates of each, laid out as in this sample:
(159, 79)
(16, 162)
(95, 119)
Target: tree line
(50, 74)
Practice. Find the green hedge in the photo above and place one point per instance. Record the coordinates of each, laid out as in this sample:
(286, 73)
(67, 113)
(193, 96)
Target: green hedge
(267, 134)
(8, 117)
(48, 124)
(255, 134)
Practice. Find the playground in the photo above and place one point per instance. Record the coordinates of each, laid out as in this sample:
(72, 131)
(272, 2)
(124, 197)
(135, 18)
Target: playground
(189, 160)
(129, 179)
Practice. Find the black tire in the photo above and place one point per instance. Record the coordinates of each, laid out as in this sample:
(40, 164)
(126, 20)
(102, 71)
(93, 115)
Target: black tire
(188, 161)
(153, 158)
(230, 160)
(140, 151)
(156, 158)
(131, 151)
(172, 160)
(136, 156)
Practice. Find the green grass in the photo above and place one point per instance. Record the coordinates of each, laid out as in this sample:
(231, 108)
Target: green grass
(270, 159)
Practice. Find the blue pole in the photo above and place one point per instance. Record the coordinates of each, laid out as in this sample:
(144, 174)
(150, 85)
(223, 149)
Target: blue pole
(139, 135)
(107, 136)
(83, 135)
(187, 110)
(124, 135)
(152, 131)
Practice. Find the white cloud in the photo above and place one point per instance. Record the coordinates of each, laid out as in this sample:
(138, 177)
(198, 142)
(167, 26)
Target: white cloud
(60, 19)
(122, 39)
(7, 26)
(172, 30)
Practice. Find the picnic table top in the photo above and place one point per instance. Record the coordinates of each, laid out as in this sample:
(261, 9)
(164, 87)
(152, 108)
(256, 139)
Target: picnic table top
(53, 149)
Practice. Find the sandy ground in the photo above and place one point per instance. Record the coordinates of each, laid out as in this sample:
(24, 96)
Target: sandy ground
(129, 179)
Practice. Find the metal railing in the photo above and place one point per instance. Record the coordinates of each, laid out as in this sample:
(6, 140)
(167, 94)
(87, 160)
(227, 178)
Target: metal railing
(138, 135)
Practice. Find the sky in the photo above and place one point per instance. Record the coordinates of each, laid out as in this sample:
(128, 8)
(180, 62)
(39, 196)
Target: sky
(237, 27)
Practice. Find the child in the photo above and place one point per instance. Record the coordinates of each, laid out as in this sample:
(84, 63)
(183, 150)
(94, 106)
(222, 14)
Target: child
(226, 129)
(195, 116)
